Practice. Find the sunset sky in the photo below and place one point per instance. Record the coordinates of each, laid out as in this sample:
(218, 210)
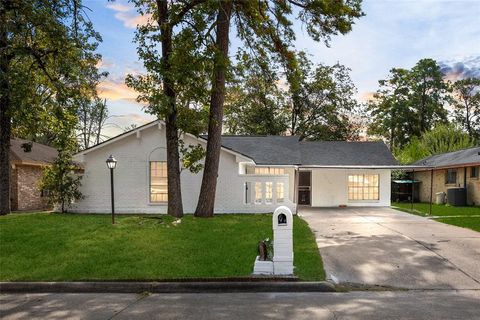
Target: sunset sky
(392, 34)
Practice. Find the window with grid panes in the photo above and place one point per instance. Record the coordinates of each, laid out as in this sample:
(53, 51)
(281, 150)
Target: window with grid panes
(363, 186)
(158, 181)
(269, 171)
(280, 192)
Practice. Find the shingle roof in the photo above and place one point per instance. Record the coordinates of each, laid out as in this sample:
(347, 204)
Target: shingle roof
(288, 150)
(39, 153)
(461, 157)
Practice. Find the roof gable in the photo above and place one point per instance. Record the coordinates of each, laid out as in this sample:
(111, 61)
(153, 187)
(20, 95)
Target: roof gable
(39, 153)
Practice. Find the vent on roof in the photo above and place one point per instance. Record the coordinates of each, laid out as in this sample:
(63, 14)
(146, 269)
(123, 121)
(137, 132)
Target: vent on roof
(27, 146)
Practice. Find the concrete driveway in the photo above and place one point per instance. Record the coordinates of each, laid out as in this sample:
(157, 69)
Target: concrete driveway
(383, 246)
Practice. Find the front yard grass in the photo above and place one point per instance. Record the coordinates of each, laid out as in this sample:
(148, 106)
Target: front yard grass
(466, 217)
(56, 247)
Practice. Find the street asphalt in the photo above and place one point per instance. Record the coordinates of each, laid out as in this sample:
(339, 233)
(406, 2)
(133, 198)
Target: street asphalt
(437, 304)
(383, 246)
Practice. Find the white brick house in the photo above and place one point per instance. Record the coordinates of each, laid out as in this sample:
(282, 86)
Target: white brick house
(257, 174)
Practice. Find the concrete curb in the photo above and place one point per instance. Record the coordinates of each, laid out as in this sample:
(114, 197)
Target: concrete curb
(164, 287)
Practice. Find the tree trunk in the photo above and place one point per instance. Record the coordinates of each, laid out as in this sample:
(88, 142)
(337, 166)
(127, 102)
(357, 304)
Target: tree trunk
(467, 119)
(5, 118)
(206, 200)
(175, 206)
(100, 122)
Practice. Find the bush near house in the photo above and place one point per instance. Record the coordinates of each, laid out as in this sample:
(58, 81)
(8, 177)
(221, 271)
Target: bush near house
(56, 247)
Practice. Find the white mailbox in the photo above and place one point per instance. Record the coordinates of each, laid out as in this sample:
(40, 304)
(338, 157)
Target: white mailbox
(282, 241)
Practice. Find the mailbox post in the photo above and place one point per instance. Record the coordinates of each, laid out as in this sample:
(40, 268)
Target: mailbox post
(283, 241)
(282, 264)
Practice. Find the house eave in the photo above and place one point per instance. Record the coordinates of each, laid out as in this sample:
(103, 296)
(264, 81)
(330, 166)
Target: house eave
(160, 123)
(391, 167)
(453, 166)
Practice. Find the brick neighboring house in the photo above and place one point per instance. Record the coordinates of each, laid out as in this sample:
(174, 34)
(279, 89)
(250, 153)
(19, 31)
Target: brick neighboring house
(451, 170)
(28, 159)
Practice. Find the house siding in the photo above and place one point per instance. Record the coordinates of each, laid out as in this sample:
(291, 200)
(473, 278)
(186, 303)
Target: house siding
(329, 187)
(132, 179)
(26, 190)
(439, 185)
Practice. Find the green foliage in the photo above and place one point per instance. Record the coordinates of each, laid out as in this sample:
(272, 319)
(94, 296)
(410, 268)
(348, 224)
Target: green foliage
(428, 96)
(254, 102)
(325, 108)
(409, 103)
(188, 65)
(61, 182)
(48, 64)
(61, 179)
(466, 104)
(258, 103)
(412, 151)
(49, 68)
(444, 138)
(192, 155)
(266, 29)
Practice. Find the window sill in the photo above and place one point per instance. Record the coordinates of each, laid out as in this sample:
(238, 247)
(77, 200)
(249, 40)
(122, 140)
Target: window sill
(363, 201)
(156, 204)
(254, 175)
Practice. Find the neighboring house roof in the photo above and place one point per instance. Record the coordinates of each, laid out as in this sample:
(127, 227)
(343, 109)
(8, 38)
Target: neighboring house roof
(469, 156)
(39, 154)
(289, 150)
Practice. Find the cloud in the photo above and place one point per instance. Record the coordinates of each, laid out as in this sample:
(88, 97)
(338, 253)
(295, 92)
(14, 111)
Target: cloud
(128, 15)
(366, 96)
(119, 7)
(399, 34)
(132, 20)
(114, 90)
(457, 70)
(117, 123)
(105, 64)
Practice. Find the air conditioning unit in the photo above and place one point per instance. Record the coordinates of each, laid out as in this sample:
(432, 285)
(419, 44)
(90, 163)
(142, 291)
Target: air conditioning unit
(457, 197)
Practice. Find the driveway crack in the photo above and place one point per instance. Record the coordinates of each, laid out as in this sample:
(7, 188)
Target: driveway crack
(140, 298)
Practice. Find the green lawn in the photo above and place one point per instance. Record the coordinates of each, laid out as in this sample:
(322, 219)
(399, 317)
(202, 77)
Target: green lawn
(47, 246)
(468, 215)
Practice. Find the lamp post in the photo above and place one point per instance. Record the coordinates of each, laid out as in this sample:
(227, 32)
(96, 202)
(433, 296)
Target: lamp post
(111, 164)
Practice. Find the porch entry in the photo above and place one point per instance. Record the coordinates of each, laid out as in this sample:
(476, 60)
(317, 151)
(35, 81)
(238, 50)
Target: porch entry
(304, 188)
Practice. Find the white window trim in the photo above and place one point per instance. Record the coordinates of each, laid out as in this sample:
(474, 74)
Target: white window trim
(275, 193)
(363, 200)
(262, 190)
(149, 195)
(272, 201)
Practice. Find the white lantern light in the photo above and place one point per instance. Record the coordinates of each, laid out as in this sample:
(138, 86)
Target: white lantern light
(111, 162)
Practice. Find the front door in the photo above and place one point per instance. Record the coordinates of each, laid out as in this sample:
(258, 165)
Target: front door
(304, 187)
